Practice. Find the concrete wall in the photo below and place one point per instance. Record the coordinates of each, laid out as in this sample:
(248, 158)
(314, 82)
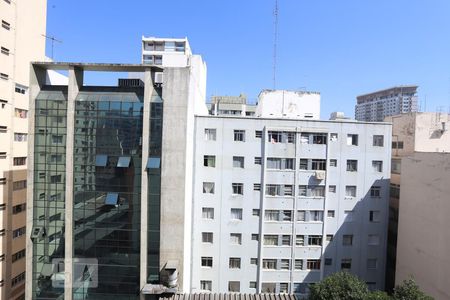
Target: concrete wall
(423, 238)
(288, 104)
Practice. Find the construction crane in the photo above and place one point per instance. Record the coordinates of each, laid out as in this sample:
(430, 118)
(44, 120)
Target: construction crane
(275, 40)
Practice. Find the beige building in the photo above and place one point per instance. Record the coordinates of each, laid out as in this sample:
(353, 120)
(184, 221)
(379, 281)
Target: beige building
(411, 133)
(423, 238)
(23, 24)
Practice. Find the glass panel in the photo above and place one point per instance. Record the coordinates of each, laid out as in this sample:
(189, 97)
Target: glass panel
(154, 163)
(124, 162)
(101, 160)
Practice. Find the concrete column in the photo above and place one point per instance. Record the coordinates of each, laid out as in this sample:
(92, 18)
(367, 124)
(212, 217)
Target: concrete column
(75, 83)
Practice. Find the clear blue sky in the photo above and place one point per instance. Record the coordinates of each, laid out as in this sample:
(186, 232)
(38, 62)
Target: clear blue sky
(339, 48)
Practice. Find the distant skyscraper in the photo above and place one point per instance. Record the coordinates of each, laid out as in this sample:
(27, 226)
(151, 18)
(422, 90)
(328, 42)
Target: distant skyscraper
(374, 107)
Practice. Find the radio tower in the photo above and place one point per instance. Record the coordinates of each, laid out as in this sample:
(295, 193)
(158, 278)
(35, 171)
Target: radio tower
(275, 40)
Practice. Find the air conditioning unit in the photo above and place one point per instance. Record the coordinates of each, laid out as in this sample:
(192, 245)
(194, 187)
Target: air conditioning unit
(159, 78)
(320, 175)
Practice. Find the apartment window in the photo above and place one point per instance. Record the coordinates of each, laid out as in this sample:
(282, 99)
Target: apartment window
(378, 140)
(352, 139)
(235, 263)
(210, 134)
(4, 50)
(258, 134)
(20, 89)
(57, 139)
(268, 287)
(348, 216)
(207, 261)
(16, 209)
(56, 158)
(319, 138)
(330, 214)
(284, 264)
(373, 240)
(252, 285)
(253, 261)
(329, 238)
(347, 240)
(303, 164)
(55, 179)
(19, 185)
(333, 162)
(281, 137)
(6, 25)
(396, 165)
(316, 191)
(20, 137)
(316, 215)
(346, 264)
(333, 137)
(315, 240)
(209, 161)
(2, 154)
(4, 76)
(276, 163)
(319, 164)
(158, 59)
(397, 145)
(18, 255)
(299, 240)
(271, 215)
(270, 264)
(238, 162)
(273, 190)
(19, 232)
(206, 285)
(256, 186)
(19, 161)
(257, 160)
(352, 165)
(350, 191)
(235, 238)
(332, 188)
(236, 214)
(208, 187)
(270, 240)
(207, 237)
(377, 165)
(298, 265)
(313, 264)
(255, 237)
(238, 188)
(328, 261)
(285, 240)
(372, 263)
(375, 191)
(255, 212)
(208, 213)
(301, 216)
(286, 215)
(374, 216)
(239, 135)
(234, 286)
(18, 279)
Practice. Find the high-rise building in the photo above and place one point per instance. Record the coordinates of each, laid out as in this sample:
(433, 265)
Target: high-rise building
(281, 203)
(22, 40)
(374, 107)
(411, 133)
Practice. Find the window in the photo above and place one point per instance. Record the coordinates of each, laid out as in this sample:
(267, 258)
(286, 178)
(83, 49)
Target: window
(268, 287)
(348, 216)
(19, 185)
(303, 164)
(235, 263)
(313, 264)
(350, 191)
(123, 161)
(255, 237)
(397, 145)
(4, 76)
(371, 263)
(209, 161)
(301, 216)
(258, 134)
(316, 215)
(375, 191)
(329, 238)
(347, 240)
(207, 237)
(19, 232)
(395, 191)
(319, 164)
(16, 209)
(299, 240)
(378, 140)
(281, 137)
(206, 285)
(277, 163)
(255, 212)
(252, 285)
(253, 261)
(18, 255)
(19, 161)
(236, 214)
(377, 165)
(374, 216)
(284, 287)
(239, 135)
(270, 264)
(100, 160)
(396, 166)
(18, 279)
(208, 213)
(352, 165)
(333, 137)
(317, 191)
(285, 240)
(21, 89)
(330, 214)
(20, 137)
(210, 134)
(208, 187)
(273, 190)
(238, 188)
(319, 138)
(2, 154)
(333, 162)
(6, 25)
(55, 179)
(346, 264)
(373, 240)
(57, 158)
(332, 189)
(270, 240)
(256, 186)
(328, 261)
(234, 286)
(271, 215)
(207, 262)
(238, 162)
(352, 139)
(298, 264)
(315, 240)
(4, 50)
(236, 238)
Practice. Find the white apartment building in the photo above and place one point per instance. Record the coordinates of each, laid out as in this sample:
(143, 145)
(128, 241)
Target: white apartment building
(166, 52)
(374, 107)
(281, 203)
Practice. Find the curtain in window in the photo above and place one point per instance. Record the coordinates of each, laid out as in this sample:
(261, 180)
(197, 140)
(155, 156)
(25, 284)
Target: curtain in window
(208, 187)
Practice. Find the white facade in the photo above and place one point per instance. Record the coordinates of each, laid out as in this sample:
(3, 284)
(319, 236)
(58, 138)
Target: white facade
(273, 203)
(374, 107)
(166, 52)
(288, 104)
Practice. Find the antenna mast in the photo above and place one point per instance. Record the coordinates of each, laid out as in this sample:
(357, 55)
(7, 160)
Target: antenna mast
(53, 39)
(275, 40)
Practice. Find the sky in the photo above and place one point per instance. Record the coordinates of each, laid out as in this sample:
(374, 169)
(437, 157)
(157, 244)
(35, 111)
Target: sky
(341, 49)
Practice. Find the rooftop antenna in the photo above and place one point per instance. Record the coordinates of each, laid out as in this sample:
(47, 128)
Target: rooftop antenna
(53, 39)
(275, 38)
